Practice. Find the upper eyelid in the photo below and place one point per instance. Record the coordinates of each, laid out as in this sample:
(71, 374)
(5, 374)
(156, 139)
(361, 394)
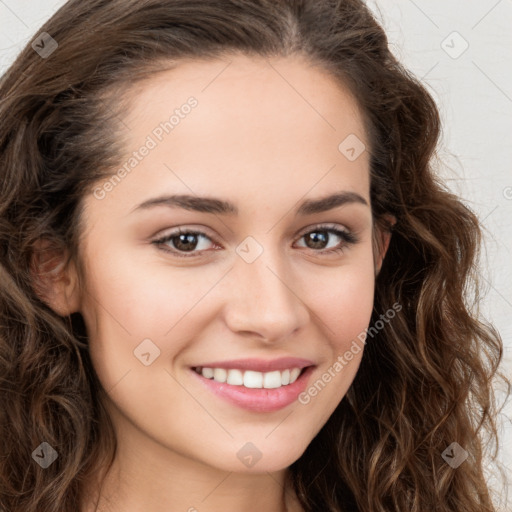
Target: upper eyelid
(325, 226)
(204, 231)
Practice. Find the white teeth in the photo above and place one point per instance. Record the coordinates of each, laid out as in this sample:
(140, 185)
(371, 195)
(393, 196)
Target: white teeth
(208, 373)
(235, 378)
(272, 380)
(294, 374)
(251, 379)
(220, 374)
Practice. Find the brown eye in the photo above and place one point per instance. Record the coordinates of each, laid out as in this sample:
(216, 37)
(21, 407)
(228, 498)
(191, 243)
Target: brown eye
(319, 238)
(184, 241)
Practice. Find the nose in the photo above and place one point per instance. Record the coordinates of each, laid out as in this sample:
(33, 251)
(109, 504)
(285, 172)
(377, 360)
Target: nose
(264, 302)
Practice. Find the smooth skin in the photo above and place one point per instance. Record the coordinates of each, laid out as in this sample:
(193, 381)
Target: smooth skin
(263, 136)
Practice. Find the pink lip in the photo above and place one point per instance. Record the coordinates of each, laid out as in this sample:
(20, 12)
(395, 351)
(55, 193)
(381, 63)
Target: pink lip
(259, 365)
(259, 399)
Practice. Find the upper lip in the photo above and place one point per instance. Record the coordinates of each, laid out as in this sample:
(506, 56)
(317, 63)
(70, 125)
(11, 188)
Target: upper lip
(259, 365)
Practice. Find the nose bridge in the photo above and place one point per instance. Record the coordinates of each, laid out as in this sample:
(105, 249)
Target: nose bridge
(262, 298)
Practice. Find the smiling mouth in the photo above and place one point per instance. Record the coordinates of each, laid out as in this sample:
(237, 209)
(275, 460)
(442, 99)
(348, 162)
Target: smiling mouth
(251, 379)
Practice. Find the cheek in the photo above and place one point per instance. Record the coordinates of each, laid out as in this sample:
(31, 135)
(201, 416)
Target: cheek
(343, 300)
(343, 304)
(130, 300)
(140, 294)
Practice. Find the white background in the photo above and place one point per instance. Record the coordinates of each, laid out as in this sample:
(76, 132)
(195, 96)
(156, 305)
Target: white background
(473, 89)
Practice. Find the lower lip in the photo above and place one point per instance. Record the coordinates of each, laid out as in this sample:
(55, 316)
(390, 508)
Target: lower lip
(258, 399)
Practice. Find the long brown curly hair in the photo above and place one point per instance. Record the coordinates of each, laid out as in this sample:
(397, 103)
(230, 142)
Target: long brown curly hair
(425, 381)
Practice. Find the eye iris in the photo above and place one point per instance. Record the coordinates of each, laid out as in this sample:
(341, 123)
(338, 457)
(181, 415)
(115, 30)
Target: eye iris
(184, 241)
(317, 238)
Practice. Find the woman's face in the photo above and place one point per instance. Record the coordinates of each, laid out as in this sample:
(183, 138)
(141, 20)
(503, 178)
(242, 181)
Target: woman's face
(260, 286)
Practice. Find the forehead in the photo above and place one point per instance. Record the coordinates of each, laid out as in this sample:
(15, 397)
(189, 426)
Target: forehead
(278, 126)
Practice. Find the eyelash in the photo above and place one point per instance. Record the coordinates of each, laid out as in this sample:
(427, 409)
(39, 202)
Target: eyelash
(347, 237)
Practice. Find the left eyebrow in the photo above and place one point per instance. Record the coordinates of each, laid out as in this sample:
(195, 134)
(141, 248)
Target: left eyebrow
(219, 206)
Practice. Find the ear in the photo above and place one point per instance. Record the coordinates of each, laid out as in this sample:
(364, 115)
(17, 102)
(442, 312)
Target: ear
(55, 280)
(382, 238)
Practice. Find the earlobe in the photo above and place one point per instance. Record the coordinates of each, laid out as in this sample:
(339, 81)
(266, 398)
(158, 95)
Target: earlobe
(54, 278)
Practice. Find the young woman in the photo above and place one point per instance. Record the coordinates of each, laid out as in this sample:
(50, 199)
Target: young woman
(229, 277)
